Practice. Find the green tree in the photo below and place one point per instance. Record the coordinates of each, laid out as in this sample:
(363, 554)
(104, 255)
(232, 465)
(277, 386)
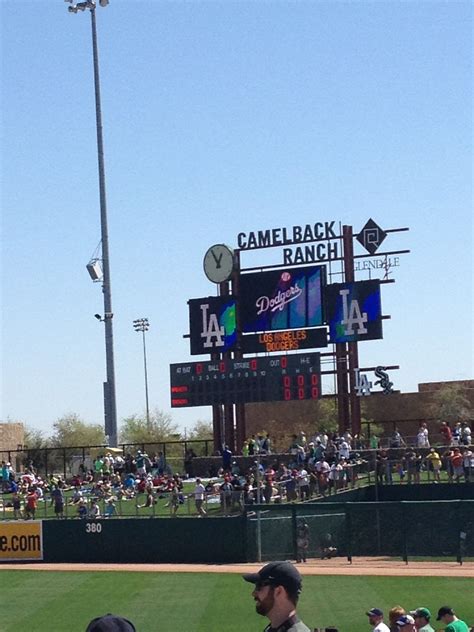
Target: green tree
(201, 430)
(134, 429)
(34, 439)
(70, 430)
(326, 415)
(451, 404)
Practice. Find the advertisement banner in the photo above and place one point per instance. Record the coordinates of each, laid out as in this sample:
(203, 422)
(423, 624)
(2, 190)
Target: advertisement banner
(21, 541)
(212, 324)
(281, 299)
(353, 311)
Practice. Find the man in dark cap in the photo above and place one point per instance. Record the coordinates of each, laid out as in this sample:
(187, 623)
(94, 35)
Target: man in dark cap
(110, 623)
(453, 624)
(376, 620)
(277, 589)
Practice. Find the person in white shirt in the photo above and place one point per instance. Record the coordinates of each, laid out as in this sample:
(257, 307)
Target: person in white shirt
(344, 449)
(199, 492)
(376, 620)
(422, 439)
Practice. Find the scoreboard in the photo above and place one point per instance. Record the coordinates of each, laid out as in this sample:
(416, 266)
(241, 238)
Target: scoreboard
(247, 380)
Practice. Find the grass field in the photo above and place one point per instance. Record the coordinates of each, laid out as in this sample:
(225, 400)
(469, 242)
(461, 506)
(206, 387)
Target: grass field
(64, 601)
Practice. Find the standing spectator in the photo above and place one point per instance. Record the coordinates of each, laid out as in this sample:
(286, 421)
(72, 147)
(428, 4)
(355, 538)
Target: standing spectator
(98, 467)
(422, 618)
(174, 500)
(226, 490)
(446, 433)
(188, 462)
(16, 505)
(393, 615)
(344, 449)
(422, 438)
(396, 440)
(57, 499)
(386, 467)
(374, 442)
(376, 620)
(31, 504)
(252, 445)
(199, 492)
(457, 433)
(406, 623)
(266, 447)
(453, 624)
(226, 459)
(303, 484)
(465, 434)
(335, 476)
(457, 461)
(434, 464)
(5, 476)
(468, 464)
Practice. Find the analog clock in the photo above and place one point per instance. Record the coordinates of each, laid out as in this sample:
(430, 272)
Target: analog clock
(219, 263)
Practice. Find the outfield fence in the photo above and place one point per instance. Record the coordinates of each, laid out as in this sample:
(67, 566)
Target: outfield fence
(402, 529)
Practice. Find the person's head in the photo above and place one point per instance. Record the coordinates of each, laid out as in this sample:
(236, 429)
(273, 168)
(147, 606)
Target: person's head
(395, 613)
(375, 616)
(277, 586)
(446, 614)
(406, 623)
(422, 617)
(110, 623)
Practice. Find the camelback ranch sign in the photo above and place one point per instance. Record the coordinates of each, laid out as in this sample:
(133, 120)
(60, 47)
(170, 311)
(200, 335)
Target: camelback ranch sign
(323, 232)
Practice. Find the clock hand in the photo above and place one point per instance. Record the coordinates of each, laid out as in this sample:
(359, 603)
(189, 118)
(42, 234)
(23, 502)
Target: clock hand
(217, 259)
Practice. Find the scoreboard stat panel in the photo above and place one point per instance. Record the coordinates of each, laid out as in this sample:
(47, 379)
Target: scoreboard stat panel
(247, 380)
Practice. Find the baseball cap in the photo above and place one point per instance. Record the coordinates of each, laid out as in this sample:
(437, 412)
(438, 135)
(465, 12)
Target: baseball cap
(110, 623)
(405, 619)
(444, 610)
(277, 574)
(374, 612)
(421, 612)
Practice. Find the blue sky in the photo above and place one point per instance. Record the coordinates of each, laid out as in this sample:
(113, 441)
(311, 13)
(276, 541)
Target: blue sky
(222, 117)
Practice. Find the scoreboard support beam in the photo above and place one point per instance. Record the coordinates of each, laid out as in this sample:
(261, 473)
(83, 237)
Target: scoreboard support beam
(240, 425)
(353, 352)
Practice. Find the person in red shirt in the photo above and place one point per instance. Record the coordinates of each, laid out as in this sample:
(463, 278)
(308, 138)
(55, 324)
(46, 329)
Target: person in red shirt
(31, 504)
(457, 463)
(446, 433)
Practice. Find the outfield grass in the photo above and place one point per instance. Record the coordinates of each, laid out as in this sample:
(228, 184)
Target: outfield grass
(44, 601)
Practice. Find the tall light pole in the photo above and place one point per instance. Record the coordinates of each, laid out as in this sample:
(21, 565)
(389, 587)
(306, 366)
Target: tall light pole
(142, 324)
(110, 407)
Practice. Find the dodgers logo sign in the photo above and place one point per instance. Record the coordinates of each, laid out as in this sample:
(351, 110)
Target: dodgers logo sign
(212, 324)
(353, 311)
(281, 299)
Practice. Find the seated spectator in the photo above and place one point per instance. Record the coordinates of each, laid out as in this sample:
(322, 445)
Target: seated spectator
(82, 509)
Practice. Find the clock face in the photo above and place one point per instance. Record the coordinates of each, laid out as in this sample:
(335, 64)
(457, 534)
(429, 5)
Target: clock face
(218, 263)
